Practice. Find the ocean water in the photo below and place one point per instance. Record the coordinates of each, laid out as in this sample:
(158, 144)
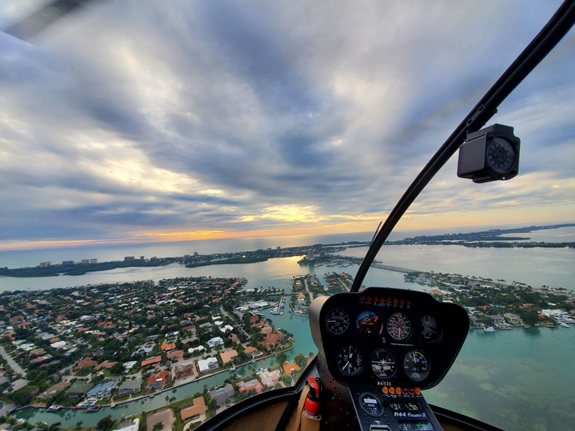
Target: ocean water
(516, 380)
(534, 266)
(112, 252)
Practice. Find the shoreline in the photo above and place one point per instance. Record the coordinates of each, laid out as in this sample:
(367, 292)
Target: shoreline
(155, 394)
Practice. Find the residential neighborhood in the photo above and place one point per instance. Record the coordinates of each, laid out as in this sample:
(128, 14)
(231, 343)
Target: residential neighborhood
(92, 346)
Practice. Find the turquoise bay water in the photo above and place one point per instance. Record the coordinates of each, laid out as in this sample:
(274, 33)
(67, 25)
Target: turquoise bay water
(516, 380)
(522, 379)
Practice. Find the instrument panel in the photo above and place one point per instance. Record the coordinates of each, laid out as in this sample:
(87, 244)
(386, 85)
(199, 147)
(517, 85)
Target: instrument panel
(387, 336)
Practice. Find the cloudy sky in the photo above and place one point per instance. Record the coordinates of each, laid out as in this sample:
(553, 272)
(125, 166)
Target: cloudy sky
(149, 120)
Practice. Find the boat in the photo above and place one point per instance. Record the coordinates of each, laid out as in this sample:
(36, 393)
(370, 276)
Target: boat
(54, 408)
(489, 329)
(565, 325)
(92, 408)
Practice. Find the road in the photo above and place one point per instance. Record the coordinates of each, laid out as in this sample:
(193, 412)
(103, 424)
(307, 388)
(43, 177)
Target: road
(224, 312)
(15, 367)
(308, 291)
(6, 408)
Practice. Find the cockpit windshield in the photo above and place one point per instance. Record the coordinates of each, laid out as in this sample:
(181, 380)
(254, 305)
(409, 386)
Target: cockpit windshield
(511, 272)
(180, 180)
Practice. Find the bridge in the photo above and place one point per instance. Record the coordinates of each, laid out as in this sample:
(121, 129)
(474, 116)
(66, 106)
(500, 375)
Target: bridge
(392, 268)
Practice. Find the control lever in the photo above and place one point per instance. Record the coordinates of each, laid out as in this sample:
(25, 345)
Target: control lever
(309, 415)
(311, 406)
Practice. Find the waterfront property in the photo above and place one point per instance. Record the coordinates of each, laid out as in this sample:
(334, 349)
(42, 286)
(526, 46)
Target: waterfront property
(197, 409)
(223, 394)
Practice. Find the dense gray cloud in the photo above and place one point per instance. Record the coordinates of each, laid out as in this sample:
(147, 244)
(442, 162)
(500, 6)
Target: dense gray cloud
(141, 116)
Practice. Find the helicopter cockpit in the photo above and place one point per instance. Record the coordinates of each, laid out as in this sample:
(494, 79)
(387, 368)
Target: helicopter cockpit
(379, 348)
(383, 346)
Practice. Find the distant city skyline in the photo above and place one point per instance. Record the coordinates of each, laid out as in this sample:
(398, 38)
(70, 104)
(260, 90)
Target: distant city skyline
(140, 121)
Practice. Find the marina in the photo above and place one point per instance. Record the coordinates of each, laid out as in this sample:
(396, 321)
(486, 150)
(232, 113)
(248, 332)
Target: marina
(280, 308)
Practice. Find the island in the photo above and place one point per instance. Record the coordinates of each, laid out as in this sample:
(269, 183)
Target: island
(492, 238)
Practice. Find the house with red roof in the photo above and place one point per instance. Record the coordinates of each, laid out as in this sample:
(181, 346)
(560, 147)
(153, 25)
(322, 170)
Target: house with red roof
(175, 355)
(272, 339)
(249, 385)
(158, 380)
(196, 409)
(87, 362)
(168, 346)
(151, 361)
(106, 365)
(290, 368)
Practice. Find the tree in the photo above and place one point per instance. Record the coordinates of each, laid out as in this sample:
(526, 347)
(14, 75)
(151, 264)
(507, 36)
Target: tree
(301, 360)
(528, 315)
(212, 405)
(117, 369)
(281, 357)
(24, 395)
(106, 424)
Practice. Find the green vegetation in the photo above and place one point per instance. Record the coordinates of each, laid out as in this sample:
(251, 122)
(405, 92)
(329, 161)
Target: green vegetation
(486, 299)
(75, 269)
(491, 238)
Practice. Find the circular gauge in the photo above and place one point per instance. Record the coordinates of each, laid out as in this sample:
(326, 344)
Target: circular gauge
(371, 405)
(369, 323)
(336, 321)
(399, 326)
(383, 364)
(416, 365)
(349, 361)
(428, 325)
(500, 155)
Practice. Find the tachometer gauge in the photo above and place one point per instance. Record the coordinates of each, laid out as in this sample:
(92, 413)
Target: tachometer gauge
(399, 326)
(349, 361)
(428, 326)
(336, 321)
(416, 365)
(369, 323)
(383, 363)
